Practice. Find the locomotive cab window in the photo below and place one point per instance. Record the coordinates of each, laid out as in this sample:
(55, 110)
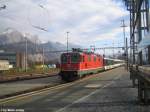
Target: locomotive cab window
(75, 58)
(64, 59)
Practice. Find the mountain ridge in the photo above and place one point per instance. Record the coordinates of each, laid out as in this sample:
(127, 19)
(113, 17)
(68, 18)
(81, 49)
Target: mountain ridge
(14, 41)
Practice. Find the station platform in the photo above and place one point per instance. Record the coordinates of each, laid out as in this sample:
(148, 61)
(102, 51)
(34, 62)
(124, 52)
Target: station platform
(109, 91)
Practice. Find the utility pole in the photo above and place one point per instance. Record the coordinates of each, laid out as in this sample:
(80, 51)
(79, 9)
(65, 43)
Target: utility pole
(124, 35)
(35, 53)
(26, 54)
(104, 50)
(124, 32)
(43, 57)
(113, 50)
(127, 52)
(67, 41)
(35, 46)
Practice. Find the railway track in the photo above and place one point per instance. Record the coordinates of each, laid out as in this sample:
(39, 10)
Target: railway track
(11, 78)
(40, 90)
(29, 90)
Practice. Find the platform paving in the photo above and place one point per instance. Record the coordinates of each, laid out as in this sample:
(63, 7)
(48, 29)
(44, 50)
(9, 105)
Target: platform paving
(109, 91)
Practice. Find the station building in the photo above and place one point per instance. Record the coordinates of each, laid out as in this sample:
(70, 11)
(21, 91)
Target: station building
(15, 59)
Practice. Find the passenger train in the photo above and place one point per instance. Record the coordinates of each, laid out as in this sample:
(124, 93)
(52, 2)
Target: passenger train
(78, 63)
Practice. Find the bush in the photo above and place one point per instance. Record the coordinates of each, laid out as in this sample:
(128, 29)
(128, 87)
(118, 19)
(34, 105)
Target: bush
(18, 71)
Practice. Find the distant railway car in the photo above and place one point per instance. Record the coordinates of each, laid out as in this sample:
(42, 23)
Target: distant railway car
(77, 64)
(112, 63)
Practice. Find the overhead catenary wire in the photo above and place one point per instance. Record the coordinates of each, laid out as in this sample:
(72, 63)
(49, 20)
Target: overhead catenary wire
(38, 26)
(2, 7)
(3, 4)
(20, 23)
(83, 49)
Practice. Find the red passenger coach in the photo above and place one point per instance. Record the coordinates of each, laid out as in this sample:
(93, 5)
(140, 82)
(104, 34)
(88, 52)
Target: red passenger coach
(78, 63)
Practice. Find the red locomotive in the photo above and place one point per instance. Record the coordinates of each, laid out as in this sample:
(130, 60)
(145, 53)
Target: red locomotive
(78, 63)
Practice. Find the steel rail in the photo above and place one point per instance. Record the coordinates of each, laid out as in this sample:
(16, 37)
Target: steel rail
(44, 89)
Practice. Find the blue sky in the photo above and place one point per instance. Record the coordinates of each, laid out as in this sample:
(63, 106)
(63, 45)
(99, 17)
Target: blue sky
(90, 22)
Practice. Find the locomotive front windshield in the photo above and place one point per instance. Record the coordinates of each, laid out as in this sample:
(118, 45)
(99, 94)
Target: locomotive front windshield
(70, 58)
(64, 59)
(75, 58)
